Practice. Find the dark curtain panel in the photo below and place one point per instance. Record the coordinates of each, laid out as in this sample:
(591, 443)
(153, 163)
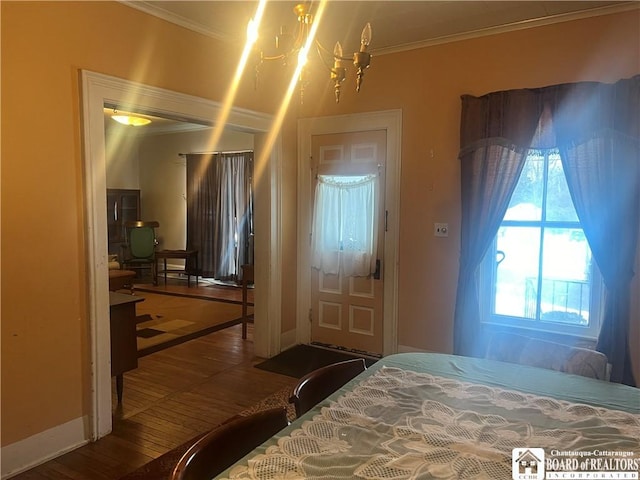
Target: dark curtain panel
(597, 128)
(202, 213)
(495, 134)
(220, 212)
(597, 131)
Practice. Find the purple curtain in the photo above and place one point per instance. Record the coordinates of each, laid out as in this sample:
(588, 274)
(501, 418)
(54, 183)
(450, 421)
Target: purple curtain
(495, 133)
(596, 128)
(220, 212)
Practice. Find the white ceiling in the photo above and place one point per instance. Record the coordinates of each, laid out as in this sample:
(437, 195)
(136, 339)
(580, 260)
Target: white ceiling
(397, 25)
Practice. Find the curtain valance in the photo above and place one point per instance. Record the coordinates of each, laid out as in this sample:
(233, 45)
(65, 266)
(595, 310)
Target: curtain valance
(579, 111)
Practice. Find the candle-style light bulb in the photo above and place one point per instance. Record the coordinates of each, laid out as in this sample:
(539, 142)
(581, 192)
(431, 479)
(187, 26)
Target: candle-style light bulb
(252, 32)
(337, 55)
(365, 37)
(362, 59)
(338, 72)
(302, 57)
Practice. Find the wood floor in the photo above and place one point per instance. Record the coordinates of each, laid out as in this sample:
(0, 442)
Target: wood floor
(178, 286)
(171, 397)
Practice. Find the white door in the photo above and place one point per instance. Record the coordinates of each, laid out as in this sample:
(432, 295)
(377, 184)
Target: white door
(347, 309)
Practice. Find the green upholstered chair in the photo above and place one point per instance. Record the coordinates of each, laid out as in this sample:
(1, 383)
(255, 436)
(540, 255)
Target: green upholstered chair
(139, 251)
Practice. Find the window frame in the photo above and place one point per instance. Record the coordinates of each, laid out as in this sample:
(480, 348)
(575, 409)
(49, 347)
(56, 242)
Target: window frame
(488, 278)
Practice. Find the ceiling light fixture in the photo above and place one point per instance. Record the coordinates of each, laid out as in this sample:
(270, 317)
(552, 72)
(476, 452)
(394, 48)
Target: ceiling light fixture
(131, 120)
(296, 47)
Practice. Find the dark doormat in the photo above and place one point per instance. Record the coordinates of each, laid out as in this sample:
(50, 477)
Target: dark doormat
(302, 359)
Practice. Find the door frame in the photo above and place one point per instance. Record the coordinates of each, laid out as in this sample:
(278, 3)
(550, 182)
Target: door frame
(98, 90)
(391, 121)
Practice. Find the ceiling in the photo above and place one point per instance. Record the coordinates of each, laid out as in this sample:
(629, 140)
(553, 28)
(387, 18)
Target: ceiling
(396, 25)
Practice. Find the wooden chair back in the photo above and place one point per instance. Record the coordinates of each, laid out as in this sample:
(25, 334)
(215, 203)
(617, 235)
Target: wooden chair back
(223, 446)
(319, 384)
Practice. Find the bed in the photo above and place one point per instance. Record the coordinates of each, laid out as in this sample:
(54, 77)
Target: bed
(424, 416)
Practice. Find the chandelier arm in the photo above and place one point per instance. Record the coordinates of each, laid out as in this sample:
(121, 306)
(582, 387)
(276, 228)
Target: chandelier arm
(329, 52)
(326, 64)
(300, 38)
(322, 47)
(276, 57)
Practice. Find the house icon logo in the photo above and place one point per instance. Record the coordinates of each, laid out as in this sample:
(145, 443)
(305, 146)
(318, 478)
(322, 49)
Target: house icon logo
(527, 463)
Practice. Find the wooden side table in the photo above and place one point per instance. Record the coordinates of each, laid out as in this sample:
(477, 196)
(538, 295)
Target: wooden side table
(124, 345)
(119, 279)
(188, 256)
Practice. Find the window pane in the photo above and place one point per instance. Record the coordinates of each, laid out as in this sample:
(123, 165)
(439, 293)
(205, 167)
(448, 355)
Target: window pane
(565, 276)
(516, 271)
(526, 202)
(541, 266)
(559, 204)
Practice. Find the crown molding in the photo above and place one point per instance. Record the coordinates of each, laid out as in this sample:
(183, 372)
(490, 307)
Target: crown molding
(512, 27)
(157, 11)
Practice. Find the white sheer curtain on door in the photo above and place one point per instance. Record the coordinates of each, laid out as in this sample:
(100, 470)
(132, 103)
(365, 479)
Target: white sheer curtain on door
(344, 225)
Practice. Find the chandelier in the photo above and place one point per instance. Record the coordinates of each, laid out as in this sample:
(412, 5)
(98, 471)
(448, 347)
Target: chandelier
(290, 47)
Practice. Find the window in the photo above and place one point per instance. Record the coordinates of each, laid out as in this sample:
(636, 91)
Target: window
(344, 226)
(539, 272)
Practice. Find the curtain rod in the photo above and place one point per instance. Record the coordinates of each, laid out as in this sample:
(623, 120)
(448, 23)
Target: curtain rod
(213, 153)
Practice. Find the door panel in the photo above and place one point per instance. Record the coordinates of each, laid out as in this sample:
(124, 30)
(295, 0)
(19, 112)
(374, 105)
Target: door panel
(348, 311)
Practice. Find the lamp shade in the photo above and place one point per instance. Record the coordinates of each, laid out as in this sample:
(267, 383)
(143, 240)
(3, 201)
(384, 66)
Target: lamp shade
(131, 120)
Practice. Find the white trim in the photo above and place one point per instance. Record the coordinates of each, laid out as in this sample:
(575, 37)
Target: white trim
(156, 10)
(391, 121)
(268, 250)
(510, 27)
(98, 90)
(288, 339)
(37, 449)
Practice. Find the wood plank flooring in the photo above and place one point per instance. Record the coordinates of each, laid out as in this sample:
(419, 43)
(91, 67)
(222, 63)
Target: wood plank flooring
(205, 290)
(170, 398)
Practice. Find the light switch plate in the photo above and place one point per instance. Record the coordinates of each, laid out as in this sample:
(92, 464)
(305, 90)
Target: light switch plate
(441, 229)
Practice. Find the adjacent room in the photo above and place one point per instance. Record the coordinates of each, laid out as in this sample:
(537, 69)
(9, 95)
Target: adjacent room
(153, 185)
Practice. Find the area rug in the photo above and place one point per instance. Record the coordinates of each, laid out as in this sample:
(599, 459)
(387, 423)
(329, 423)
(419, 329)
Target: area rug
(302, 359)
(167, 320)
(161, 467)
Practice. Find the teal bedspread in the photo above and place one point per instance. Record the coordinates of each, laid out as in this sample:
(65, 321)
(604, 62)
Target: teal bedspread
(428, 416)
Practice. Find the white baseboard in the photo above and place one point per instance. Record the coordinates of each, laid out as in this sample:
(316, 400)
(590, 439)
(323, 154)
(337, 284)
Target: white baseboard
(38, 449)
(288, 340)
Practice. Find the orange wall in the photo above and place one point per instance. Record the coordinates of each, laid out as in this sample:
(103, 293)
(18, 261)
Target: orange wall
(45, 347)
(426, 84)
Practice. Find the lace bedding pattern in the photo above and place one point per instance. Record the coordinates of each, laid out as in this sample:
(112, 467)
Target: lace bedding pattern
(400, 424)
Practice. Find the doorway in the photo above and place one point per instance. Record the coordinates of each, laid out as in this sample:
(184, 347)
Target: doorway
(99, 90)
(347, 239)
(310, 135)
